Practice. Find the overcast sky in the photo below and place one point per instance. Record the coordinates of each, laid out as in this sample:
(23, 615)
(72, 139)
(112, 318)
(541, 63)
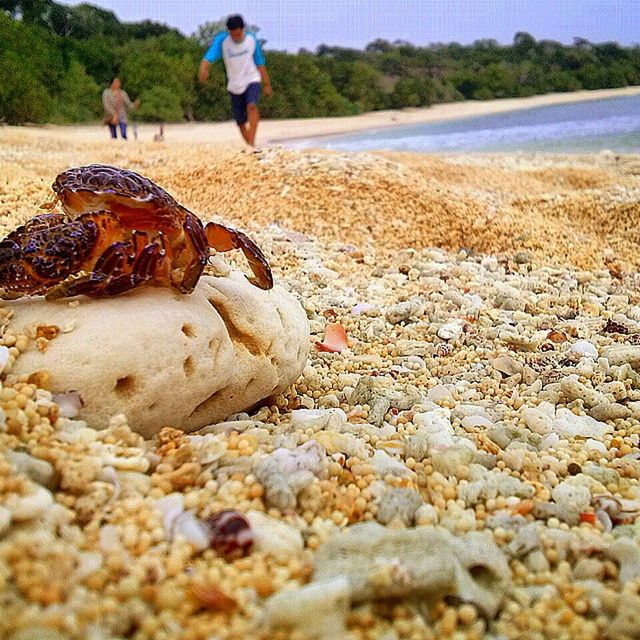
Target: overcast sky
(292, 24)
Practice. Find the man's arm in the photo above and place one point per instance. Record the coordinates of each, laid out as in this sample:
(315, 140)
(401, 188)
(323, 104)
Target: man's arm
(203, 71)
(213, 53)
(258, 58)
(266, 83)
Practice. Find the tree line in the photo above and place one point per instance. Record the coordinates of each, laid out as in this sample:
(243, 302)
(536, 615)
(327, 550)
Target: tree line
(56, 59)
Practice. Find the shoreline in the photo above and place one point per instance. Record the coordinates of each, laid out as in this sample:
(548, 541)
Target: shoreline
(272, 132)
(451, 111)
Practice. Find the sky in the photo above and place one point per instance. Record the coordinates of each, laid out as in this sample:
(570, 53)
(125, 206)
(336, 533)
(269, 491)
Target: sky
(294, 24)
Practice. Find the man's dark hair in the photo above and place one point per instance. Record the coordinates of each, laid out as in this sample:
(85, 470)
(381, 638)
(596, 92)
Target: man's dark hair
(235, 22)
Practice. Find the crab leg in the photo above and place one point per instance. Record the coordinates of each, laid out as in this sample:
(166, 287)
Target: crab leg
(118, 269)
(190, 256)
(35, 225)
(223, 239)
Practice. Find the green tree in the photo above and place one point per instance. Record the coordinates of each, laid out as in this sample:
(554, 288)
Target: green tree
(206, 32)
(211, 100)
(360, 83)
(145, 66)
(496, 81)
(79, 98)
(560, 80)
(413, 92)
(302, 89)
(160, 104)
(22, 97)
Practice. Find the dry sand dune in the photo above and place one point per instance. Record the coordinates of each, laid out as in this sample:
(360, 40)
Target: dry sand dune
(563, 209)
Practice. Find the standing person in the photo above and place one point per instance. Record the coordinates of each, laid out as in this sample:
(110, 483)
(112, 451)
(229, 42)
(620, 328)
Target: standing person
(116, 103)
(245, 66)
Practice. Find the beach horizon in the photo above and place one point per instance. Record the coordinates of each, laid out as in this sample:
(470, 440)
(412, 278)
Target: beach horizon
(274, 132)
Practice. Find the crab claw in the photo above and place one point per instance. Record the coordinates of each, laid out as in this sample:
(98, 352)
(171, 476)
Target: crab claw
(223, 238)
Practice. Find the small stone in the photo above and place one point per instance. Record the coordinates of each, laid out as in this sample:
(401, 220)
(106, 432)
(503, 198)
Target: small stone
(472, 423)
(448, 461)
(384, 464)
(450, 331)
(570, 425)
(507, 365)
(626, 553)
(574, 390)
(509, 300)
(539, 419)
(4, 356)
(624, 354)
(571, 500)
(402, 312)
(439, 393)
(537, 562)
(514, 457)
(588, 569)
(40, 471)
(316, 610)
(609, 411)
(30, 506)
(398, 503)
(585, 348)
(526, 540)
(274, 537)
(426, 514)
(318, 419)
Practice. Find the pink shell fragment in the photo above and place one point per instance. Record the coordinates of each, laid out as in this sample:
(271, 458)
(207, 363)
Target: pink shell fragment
(335, 338)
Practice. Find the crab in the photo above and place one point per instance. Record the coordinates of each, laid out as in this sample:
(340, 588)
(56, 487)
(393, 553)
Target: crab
(119, 230)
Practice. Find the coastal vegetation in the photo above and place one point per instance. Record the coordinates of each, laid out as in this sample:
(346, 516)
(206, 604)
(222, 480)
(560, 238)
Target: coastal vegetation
(55, 60)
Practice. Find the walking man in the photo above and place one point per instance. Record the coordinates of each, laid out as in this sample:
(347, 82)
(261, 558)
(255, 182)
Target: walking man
(116, 103)
(245, 66)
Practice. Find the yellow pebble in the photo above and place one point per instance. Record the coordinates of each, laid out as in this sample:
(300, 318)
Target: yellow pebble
(467, 614)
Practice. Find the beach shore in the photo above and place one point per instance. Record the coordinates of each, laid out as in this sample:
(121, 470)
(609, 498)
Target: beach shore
(273, 131)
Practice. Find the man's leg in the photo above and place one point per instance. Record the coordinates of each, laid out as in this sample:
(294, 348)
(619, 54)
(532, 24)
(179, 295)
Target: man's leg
(252, 95)
(244, 131)
(123, 130)
(239, 111)
(112, 129)
(254, 117)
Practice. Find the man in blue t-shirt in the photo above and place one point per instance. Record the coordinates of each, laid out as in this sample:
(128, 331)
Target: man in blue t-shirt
(245, 65)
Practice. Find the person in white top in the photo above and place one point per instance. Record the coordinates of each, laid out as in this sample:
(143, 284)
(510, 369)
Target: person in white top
(246, 71)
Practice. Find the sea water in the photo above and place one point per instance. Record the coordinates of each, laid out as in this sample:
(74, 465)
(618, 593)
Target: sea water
(579, 127)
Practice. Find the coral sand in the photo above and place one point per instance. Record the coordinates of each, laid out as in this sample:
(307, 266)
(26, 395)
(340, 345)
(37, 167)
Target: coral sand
(466, 466)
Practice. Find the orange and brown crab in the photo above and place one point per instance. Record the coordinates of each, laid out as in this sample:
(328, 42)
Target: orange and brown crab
(119, 230)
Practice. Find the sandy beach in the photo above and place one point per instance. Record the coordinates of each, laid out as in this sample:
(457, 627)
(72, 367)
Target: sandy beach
(460, 463)
(274, 131)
